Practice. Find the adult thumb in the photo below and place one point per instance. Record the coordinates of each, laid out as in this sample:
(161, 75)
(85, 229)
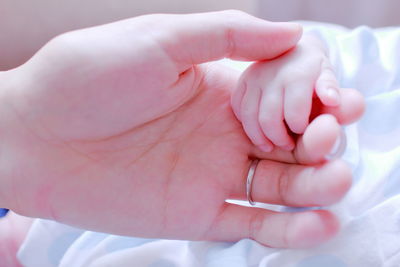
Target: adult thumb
(198, 38)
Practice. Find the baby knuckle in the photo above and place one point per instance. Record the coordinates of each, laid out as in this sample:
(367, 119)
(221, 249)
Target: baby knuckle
(293, 75)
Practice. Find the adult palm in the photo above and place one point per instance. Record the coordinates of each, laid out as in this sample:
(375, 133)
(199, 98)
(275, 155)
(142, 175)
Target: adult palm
(119, 129)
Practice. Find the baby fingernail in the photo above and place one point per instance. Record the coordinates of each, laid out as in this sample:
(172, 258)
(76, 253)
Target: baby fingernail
(266, 148)
(339, 147)
(333, 95)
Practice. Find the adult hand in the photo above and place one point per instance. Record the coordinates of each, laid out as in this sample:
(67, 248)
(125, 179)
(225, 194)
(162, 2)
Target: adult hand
(121, 129)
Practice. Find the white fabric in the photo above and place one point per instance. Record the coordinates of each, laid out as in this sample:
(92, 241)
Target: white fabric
(370, 214)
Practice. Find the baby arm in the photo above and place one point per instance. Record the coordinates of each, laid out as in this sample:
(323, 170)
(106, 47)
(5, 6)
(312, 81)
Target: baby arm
(274, 98)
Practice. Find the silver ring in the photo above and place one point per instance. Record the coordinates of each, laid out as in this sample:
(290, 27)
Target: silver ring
(250, 176)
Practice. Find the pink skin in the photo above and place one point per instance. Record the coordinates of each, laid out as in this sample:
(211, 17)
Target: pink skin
(274, 98)
(13, 230)
(119, 129)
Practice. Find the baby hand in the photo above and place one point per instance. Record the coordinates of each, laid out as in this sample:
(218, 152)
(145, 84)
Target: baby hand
(274, 98)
